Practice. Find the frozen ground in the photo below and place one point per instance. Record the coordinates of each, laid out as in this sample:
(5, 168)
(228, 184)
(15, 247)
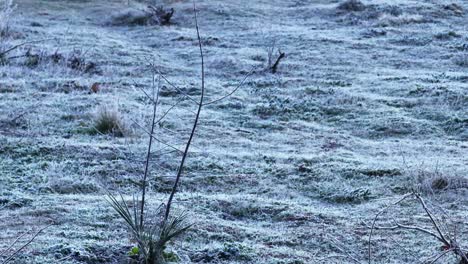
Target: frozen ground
(367, 105)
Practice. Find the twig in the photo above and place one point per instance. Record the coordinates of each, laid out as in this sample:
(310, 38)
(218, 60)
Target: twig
(442, 236)
(195, 123)
(167, 111)
(144, 92)
(157, 139)
(439, 256)
(3, 253)
(234, 90)
(177, 88)
(416, 228)
(274, 68)
(148, 154)
(449, 244)
(3, 53)
(375, 220)
(25, 245)
(335, 244)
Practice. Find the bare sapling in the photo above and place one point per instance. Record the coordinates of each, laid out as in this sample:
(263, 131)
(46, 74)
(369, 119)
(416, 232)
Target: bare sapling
(153, 232)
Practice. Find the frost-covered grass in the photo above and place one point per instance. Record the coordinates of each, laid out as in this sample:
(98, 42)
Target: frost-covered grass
(369, 103)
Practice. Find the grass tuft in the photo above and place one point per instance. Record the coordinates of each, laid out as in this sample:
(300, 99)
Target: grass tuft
(109, 121)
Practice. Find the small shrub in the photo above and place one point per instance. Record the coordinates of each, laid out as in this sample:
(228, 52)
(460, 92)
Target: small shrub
(109, 121)
(152, 236)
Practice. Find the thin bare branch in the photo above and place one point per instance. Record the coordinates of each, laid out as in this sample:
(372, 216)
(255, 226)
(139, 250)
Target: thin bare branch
(5, 52)
(167, 111)
(335, 244)
(439, 256)
(4, 252)
(148, 154)
(157, 139)
(234, 90)
(429, 214)
(416, 228)
(144, 92)
(195, 123)
(177, 88)
(25, 245)
(404, 197)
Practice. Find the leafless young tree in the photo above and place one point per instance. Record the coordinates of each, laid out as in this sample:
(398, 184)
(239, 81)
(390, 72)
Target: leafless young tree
(153, 234)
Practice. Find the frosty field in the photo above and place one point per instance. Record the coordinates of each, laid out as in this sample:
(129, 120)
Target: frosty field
(369, 103)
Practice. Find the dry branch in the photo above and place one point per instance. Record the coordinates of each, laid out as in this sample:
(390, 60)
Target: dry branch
(17, 251)
(281, 55)
(450, 243)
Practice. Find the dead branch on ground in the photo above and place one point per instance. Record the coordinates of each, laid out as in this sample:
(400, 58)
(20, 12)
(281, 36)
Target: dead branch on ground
(449, 241)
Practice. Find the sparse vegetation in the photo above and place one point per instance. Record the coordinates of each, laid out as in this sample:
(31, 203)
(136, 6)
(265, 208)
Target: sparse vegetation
(365, 106)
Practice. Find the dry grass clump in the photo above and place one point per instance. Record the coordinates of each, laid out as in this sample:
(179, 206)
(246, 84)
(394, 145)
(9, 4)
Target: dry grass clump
(6, 11)
(108, 120)
(351, 5)
(433, 182)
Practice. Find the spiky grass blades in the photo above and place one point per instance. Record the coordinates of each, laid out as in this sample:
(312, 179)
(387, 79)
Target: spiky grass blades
(151, 236)
(123, 210)
(174, 227)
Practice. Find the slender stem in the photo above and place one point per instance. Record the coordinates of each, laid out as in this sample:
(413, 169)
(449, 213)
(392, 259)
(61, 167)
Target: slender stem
(3, 53)
(234, 90)
(436, 226)
(195, 123)
(25, 245)
(369, 249)
(3, 253)
(148, 157)
(440, 256)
